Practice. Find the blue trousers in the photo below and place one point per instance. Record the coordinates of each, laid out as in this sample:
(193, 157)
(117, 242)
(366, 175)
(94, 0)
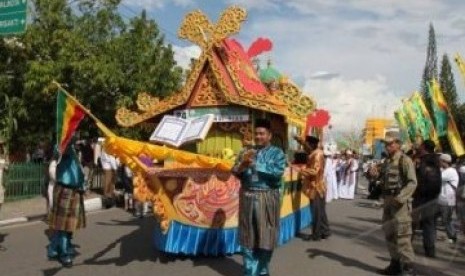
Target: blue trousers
(60, 245)
(256, 261)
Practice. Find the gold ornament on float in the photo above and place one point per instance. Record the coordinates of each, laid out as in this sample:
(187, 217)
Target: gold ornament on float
(197, 28)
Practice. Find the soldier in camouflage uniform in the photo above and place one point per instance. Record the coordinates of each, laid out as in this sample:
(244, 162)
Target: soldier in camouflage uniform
(398, 182)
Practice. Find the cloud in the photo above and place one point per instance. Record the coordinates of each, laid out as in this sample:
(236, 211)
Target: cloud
(361, 48)
(359, 39)
(381, 8)
(156, 4)
(323, 75)
(351, 101)
(183, 55)
(459, 24)
(255, 4)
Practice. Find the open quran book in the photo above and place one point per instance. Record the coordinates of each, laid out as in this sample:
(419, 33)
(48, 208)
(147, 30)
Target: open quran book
(176, 131)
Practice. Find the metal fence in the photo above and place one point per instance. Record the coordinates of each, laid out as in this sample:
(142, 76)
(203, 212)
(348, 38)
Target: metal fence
(27, 180)
(24, 180)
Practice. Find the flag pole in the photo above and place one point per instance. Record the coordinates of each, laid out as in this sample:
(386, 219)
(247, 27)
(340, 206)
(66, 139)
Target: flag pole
(99, 123)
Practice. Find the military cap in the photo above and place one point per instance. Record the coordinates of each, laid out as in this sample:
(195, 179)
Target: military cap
(390, 140)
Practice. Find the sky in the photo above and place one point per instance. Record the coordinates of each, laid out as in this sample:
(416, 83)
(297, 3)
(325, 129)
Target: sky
(356, 58)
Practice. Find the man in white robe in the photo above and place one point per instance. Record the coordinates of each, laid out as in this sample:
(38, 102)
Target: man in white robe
(347, 189)
(330, 178)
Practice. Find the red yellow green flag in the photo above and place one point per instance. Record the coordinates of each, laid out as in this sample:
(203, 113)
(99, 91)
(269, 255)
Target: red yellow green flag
(445, 123)
(69, 114)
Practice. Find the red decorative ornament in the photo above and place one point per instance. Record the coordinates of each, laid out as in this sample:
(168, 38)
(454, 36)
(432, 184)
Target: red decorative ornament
(259, 46)
(319, 118)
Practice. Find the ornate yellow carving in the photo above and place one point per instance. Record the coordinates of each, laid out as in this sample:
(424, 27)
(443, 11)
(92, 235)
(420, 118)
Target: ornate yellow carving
(209, 93)
(145, 191)
(146, 102)
(298, 105)
(196, 26)
(288, 102)
(127, 118)
(246, 131)
(229, 23)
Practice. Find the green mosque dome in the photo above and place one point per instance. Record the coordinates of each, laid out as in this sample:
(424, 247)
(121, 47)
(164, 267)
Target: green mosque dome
(269, 74)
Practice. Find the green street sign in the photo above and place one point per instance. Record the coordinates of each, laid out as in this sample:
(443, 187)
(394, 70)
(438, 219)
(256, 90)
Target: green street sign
(10, 6)
(12, 16)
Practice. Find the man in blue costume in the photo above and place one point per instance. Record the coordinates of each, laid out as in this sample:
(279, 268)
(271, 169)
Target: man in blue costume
(260, 170)
(67, 214)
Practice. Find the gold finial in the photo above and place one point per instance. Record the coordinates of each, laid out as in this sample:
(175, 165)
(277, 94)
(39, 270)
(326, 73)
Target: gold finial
(194, 28)
(197, 28)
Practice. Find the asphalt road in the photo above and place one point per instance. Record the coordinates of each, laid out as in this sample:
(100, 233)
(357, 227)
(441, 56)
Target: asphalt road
(115, 243)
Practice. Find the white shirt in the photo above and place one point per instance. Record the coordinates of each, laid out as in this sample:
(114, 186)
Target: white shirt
(52, 172)
(128, 172)
(450, 178)
(354, 167)
(3, 166)
(97, 152)
(109, 162)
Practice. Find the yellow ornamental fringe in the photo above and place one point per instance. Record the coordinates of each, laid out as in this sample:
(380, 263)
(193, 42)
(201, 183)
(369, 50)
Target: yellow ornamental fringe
(129, 152)
(224, 166)
(183, 157)
(207, 162)
(161, 153)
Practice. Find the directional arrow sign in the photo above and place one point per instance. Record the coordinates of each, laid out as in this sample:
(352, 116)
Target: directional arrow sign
(12, 16)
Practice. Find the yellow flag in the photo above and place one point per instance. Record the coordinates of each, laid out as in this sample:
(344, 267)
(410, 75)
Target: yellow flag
(428, 122)
(412, 119)
(445, 120)
(461, 64)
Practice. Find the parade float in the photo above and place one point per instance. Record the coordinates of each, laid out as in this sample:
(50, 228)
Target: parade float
(194, 195)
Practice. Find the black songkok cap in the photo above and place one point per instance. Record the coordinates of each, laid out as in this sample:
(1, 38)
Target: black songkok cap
(263, 123)
(429, 145)
(312, 140)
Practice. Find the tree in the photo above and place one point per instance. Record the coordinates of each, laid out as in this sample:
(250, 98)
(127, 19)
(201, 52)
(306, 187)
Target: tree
(94, 53)
(430, 71)
(447, 84)
(350, 139)
(460, 119)
(8, 123)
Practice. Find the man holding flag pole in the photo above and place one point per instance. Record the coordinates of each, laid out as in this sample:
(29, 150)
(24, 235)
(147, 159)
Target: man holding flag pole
(67, 214)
